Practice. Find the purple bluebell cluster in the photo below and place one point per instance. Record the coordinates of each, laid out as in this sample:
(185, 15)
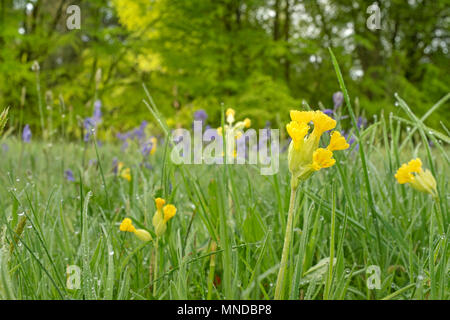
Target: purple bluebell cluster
(68, 174)
(201, 115)
(146, 144)
(26, 134)
(361, 124)
(91, 123)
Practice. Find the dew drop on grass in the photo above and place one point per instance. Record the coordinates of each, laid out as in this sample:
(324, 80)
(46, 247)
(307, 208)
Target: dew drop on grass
(111, 253)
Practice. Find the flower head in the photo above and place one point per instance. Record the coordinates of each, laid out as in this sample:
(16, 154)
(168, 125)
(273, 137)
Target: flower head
(123, 172)
(26, 134)
(162, 215)
(200, 115)
(169, 212)
(233, 130)
(160, 202)
(230, 115)
(141, 234)
(69, 175)
(419, 179)
(127, 225)
(322, 158)
(305, 157)
(322, 123)
(337, 142)
(338, 99)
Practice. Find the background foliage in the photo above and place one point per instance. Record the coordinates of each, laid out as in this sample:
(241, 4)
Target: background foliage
(261, 57)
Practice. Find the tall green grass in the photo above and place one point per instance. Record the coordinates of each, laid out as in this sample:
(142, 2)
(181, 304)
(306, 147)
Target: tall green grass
(225, 241)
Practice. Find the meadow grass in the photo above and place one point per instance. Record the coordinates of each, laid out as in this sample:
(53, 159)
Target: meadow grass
(226, 239)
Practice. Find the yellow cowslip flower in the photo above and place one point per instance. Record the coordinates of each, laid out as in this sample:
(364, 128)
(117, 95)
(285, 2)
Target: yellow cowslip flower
(337, 142)
(160, 202)
(302, 116)
(297, 131)
(127, 225)
(322, 158)
(141, 234)
(322, 123)
(169, 211)
(230, 115)
(154, 142)
(233, 130)
(305, 157)
(422, 180)
(162, 215)
(123, 172)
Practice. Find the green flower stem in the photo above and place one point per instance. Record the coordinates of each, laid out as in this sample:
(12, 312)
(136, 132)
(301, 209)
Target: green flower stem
(279, 289)
(155, 271)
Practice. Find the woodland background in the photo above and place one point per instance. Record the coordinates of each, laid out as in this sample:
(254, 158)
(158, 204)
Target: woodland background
(261, 57)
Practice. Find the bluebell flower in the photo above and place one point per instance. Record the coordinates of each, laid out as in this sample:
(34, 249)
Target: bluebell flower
(361, 122)
(5, 147)
(97, 110)
(338, 99)
(26, 134)
(328, 112)
(69, 175)
(200, 115)
(146, 148)
(115, 164)
(91, 123)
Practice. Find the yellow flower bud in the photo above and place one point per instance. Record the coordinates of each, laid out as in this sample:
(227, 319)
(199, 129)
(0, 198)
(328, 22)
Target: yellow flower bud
(160, 228)
(143, 235)
(247, 122)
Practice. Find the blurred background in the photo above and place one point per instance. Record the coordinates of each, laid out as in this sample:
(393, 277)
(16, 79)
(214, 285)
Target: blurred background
(260, 57)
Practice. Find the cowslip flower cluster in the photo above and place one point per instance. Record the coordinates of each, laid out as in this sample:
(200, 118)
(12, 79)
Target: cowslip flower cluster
(233, 130)
(419, 179)
(237, 129)
(162, 215)
(123, 172)
(305, 157)
(141, 234)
